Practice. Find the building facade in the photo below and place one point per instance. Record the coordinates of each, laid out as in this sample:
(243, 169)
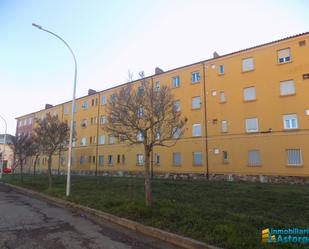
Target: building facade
(248, 116)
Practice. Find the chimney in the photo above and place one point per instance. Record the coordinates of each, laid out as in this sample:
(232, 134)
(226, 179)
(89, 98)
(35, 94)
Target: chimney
(47, 106)
(215, 55)
(91, 91)
(158, 70)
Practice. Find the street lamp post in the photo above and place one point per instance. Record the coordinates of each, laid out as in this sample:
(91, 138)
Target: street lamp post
(68, 187)
(4, 142)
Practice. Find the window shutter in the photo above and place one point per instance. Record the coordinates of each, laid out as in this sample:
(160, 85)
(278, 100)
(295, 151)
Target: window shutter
(287, 87)
(283, 53)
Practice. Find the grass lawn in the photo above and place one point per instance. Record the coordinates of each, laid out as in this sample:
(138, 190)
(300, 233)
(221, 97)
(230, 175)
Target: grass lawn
(227, 214)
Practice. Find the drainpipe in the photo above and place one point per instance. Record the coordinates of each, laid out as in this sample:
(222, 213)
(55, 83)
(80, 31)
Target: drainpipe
(205, 120)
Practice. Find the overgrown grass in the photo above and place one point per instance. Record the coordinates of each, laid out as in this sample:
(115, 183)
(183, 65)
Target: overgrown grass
(227, 214)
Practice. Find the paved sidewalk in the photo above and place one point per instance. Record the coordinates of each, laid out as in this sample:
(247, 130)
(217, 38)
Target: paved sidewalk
(27, 223)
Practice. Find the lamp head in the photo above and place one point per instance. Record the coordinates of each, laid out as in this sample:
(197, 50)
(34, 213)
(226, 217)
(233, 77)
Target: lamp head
(37, 26)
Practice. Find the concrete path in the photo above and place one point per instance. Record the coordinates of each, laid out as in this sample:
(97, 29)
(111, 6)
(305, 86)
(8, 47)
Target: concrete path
(27, 223)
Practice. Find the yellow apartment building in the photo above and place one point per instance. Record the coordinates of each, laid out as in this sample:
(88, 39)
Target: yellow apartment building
(248, 118)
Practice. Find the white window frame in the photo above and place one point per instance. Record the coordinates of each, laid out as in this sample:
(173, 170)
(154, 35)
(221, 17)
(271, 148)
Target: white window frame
(247, 64)
(222, 97)
(195, 77)
(102, 139)
(85, 104)
(175, 81)
(196, 102)
(176, 106)
(290, 121)
(283, 59)
(101, 160)
(224, 126)
(196, 162)
(221, 69)
(111, 139)
(254, 158)
(176, 132)
(288, 152)
(249, 93)
(139, 159)
(247, 122)
(157, 86)
(196, 130)
(103, 100)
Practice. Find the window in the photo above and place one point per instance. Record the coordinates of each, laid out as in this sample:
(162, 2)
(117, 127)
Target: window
(123, 159)
(213, 93)
(195, 77)
(139, 159)
(254, 158)
(91, 120)
(222, 97)
(85, 105)
(118, 158)
(221, 69)
(287, 87)
(306, 76)
(290, 121)
(112, 98)
(90, 140)
(110, 160)
(101, 160)
(225, 156)
(92, 102)
(139, 136)
(140, 112)
(197, 158)
(103, 119)
(196, 102)
(62, 160)
(252, 125)
(293, 157)
(94, 139)
(66, 110)
(157, 135)
(82, 160)
(157, 86)
(89, 159)
(249, 93)
(196, 130)
(176, 132)
(284, 55)
(175, 81)
(103, 100)
(247, 64)
(223, 126)
(176, 107)
(110, 139)
(140, 91)
(84, 123)
(302, 43)
(93, 159)
(157, 159)
(176, 159)
(83, 141)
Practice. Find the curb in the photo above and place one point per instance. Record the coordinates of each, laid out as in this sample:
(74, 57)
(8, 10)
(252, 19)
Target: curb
(177, 240)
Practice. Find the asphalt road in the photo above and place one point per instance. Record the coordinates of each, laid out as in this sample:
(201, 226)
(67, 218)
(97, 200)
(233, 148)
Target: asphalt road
(27, 223)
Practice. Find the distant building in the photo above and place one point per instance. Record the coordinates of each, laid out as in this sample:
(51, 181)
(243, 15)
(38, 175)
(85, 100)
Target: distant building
(248, 118)
(6, 151)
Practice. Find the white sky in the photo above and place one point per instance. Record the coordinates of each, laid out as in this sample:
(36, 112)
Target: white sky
(111, 37)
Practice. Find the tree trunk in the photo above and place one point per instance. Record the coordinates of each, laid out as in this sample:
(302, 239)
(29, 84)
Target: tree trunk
(147, 178)
(34, 166)
(21, 171)
(49, 173)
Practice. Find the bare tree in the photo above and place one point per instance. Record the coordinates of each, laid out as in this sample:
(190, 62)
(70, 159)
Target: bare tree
(145, 115)
(21, 146)
(51, 134)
